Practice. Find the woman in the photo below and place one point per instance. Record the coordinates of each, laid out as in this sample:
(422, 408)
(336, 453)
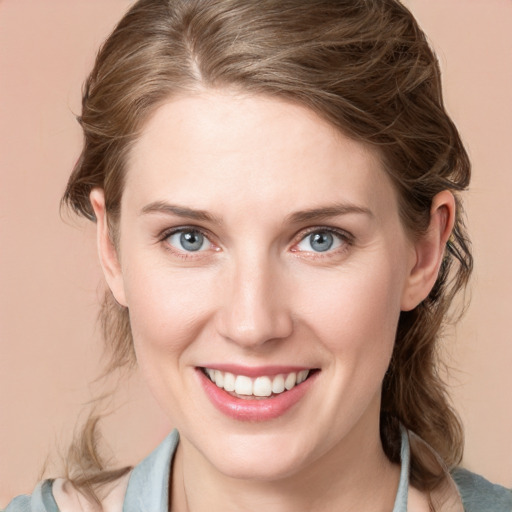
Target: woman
(294, 349)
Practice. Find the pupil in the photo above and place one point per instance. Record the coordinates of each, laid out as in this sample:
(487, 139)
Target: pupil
(321, 242)
(191, 240)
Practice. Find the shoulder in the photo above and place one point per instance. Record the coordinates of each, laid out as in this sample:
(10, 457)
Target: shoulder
(59, 495)
(479, 494)
(146, 485)
(40, 500)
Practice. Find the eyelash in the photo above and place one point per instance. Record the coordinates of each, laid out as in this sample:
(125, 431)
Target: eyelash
(345, 238)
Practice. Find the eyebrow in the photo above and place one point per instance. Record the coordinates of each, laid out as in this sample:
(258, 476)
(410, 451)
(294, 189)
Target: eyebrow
(310, 215)
(179, 211)
(319, 214)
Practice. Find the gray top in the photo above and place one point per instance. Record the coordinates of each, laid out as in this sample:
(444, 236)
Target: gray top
(148, 486)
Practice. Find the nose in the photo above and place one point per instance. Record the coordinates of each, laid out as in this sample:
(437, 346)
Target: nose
(254, 309)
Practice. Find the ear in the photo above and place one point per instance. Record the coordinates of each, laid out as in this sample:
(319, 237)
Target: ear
(107, 251)
(429, 251)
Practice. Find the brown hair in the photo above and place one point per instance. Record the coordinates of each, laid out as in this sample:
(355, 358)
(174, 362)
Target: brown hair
(363, 65)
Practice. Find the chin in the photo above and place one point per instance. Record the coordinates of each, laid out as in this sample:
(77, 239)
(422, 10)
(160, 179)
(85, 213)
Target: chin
(257, 468)
(258, 457)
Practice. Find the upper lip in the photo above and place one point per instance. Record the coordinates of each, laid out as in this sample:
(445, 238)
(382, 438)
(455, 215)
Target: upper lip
(256, 371)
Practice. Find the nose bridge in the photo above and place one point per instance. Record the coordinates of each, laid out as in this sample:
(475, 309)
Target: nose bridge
(254, 308)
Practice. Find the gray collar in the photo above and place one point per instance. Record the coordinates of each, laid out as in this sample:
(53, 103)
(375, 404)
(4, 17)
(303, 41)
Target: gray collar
(403, 486)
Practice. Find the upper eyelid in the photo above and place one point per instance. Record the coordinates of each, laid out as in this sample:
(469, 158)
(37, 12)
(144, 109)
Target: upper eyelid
(179, 229)
(304, 231)
(330, 229)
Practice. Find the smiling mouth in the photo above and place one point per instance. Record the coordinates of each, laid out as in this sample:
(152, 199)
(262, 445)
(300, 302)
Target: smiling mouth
(241, 386)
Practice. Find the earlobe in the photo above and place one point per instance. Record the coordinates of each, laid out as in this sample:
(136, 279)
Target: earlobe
(429, 251)
(107, 252)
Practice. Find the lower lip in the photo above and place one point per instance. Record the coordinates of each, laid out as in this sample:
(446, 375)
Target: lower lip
(262, 409)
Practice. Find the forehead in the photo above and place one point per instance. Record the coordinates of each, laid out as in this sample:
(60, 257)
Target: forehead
(206, 148)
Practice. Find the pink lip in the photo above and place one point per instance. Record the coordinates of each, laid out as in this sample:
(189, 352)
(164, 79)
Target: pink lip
(254, 409)
(256, 371)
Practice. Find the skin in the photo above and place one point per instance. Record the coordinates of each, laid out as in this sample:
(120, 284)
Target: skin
(257, 294)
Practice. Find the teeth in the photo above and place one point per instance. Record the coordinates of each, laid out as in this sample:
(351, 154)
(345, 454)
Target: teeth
(219, 379)
(290, 381)
(229, 382)
(302, 376)
(243, 385)
(260, 386)
(278, 384)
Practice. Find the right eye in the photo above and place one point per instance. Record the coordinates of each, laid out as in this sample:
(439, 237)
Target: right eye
(188, 240)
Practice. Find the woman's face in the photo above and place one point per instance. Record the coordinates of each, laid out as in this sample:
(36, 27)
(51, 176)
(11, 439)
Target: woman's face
(258, 245)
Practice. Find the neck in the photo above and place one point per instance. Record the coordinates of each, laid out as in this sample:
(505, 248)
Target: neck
(354, 475)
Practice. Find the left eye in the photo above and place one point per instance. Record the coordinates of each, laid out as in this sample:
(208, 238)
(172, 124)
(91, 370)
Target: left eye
(190, 240)
(320, 241)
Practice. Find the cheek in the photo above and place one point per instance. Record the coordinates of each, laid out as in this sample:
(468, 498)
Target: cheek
(358, 308)
(168, 312)
(168, 308)
(356, 317)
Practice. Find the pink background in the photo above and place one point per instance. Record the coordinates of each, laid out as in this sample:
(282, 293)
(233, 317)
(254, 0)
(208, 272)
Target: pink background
(49, 278)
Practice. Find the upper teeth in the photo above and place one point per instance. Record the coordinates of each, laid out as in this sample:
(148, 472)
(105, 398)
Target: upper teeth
(260, 386)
